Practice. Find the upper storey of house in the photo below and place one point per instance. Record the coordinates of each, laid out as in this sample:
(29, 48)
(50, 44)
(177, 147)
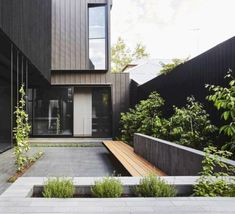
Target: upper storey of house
(27, 24)
(80, 35)
(59, 34)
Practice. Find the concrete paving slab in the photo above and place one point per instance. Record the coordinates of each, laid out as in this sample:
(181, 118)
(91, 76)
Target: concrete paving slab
(72, 162)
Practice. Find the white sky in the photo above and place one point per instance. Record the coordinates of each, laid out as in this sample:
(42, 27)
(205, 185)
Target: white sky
(173, 28)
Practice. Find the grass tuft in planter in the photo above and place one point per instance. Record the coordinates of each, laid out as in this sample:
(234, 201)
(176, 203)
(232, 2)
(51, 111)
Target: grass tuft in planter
(58, 188)
(107, 188)
(152, 186)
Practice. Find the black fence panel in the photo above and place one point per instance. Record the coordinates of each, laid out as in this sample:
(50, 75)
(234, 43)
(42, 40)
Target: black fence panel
(190, 78)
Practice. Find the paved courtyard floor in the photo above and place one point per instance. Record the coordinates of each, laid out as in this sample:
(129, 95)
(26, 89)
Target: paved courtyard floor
(60, 161)
(72, 162)
(7, 169)
(92, 162)
(7, 166)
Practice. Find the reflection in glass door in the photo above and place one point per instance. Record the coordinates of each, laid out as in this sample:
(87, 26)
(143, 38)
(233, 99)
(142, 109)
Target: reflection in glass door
(101, 112)
(50, 111)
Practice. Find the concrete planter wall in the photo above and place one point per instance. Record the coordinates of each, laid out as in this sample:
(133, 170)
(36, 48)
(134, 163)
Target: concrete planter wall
(16, 199)
(173, 159)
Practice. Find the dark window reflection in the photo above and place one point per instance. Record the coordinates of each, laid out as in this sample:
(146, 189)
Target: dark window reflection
(50, 111)
(5, 94)
(97, 37)
(101, 112)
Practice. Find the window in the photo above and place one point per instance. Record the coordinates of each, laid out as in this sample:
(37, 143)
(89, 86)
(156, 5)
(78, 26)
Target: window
(97, 37)
(50, 111)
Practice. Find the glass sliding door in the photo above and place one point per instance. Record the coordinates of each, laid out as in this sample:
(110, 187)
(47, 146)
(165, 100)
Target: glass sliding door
(63, 111)
(101, 112)
(5, 94)
(50, 111)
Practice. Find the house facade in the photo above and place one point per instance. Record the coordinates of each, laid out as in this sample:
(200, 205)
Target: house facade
(60, 51)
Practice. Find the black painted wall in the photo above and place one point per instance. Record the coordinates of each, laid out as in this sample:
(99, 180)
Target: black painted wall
(190, 79)
(28, 24)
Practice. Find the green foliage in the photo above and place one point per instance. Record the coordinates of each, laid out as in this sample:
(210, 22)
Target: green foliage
(139, 52)
(31, 160)
(109, 187)
(166, 68)
(224, 99)
(190, 125)
(212, 183)
(143, 118)
(122, 55)
(152, 186)
(58, 188)
(21, 132)
(36, 156)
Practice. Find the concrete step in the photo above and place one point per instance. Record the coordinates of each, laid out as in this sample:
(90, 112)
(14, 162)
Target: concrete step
(67, 140)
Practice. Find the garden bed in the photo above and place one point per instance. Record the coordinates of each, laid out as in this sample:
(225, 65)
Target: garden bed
(129, 191)
(111, 187)
(31, 162)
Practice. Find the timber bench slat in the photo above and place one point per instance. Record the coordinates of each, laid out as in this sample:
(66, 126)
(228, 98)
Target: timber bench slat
(131, 162)
(142, 162)
(148, 167)
(134, 164)
(125, 161)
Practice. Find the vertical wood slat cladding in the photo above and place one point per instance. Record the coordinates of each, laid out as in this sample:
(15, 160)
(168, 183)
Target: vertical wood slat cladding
(70, 33)
(191, 77)
(119, 88)
(28, 24)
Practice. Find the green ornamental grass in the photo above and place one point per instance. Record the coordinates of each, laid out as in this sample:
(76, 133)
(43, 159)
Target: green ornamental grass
(152, 186)
(109, 187)
(58, 188)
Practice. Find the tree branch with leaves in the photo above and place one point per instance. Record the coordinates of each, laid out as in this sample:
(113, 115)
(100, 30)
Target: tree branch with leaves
(224, 99)
(166, 68)
(122, 55)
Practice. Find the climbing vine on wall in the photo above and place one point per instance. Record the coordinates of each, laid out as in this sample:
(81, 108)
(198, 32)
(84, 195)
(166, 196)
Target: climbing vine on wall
(21, 132)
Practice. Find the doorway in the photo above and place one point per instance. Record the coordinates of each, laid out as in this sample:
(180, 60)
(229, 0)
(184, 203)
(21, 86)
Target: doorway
(82, 112)
(92, 112)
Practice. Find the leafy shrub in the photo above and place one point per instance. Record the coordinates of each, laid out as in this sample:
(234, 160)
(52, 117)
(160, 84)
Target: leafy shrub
(190, 125)
(152, 186)
(224, 99)
(142, 118)
(232, 190)
(58, 188)
(107, 188)
(212, 183)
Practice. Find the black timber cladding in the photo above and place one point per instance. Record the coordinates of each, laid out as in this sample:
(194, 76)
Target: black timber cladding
(70, 54)
(28, 24)
(119, 83)
(70, 33)
(191, 77)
